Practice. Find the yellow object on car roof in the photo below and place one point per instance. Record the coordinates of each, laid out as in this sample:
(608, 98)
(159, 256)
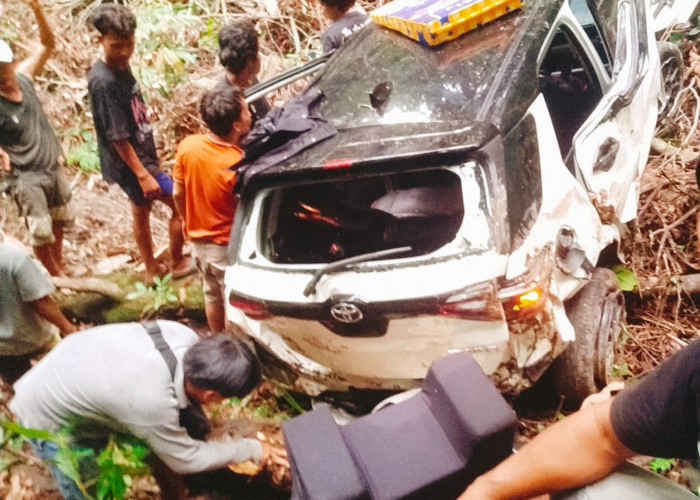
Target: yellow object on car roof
(432, 22)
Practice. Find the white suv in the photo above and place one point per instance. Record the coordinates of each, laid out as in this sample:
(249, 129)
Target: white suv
(463, 204)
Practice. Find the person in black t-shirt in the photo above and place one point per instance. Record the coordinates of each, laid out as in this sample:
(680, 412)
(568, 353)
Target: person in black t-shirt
(239, 55)
(125, 139)
(30, 150)
(657, 417)
(346, 21)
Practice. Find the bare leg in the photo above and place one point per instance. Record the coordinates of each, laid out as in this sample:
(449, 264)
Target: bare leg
(142, 234)
(178, 262)
(46, 255)
(216, 317)
(57, 245)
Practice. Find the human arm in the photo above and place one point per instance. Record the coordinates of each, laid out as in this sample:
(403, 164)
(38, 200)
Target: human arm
(184, 455)
(47, 309)
(34, 63)
(5, 165)
(179, 197)
(575, 451)
(149, 186)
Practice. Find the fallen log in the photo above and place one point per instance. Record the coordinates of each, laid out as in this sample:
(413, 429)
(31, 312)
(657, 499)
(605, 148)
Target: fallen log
(95, 285)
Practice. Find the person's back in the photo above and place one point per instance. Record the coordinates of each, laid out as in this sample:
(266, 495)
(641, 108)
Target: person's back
(345, 22)
(148, 380)
(22, 331)
(203, 191)
(100, 374)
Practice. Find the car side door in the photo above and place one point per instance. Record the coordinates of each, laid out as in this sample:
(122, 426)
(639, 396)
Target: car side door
(610, 150)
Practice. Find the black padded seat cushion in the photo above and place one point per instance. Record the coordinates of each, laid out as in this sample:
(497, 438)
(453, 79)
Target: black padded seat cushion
(429, 446)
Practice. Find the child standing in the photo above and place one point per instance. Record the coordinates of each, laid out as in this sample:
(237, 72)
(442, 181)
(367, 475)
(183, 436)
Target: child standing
(125, 138)
(346, 21)
(203, 190)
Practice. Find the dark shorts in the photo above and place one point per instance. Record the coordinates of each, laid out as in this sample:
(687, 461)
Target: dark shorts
(130, 185)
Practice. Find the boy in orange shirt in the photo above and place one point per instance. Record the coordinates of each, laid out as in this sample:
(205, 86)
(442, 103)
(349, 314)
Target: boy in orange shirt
(203, 185)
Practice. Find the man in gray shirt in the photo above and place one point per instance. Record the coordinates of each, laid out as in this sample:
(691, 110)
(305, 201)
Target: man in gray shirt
(29, 318)
(119, 377)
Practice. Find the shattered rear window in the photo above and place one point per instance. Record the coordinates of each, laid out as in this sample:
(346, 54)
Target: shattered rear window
(329, 221)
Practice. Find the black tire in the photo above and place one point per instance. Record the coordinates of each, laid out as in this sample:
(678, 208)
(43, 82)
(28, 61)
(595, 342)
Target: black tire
(672, 76)
(597, 313)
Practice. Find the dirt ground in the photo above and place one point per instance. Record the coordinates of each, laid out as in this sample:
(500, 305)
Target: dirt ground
(662, 246)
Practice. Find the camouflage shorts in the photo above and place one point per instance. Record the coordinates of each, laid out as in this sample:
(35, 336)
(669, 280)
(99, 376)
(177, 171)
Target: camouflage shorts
(43, 199)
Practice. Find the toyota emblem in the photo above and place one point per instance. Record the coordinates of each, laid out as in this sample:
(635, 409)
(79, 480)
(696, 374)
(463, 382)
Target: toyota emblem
(345, 312)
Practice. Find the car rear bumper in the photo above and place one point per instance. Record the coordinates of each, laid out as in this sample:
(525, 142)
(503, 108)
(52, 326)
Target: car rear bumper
(513, 355)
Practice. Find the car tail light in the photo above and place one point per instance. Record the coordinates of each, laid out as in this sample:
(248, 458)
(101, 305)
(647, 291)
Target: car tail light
(338, 163)
(254, 310)
(527, 293)
(479, 302)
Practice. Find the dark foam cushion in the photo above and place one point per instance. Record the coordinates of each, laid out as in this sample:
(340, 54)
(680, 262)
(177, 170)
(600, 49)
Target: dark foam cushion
(322, 468)
(401, 449)
(471, 411)
(427, 447)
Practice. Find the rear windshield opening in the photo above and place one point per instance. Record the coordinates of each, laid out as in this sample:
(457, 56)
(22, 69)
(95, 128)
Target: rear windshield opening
(329, 221)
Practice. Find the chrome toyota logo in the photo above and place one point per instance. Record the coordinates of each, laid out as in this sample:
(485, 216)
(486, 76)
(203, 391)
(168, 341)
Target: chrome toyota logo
(346, 313)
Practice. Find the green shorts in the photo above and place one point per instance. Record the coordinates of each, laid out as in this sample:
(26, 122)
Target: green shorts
(43, 199)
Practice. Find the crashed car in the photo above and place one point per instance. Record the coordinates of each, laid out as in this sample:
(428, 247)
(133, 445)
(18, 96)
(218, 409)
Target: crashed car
(465, 202)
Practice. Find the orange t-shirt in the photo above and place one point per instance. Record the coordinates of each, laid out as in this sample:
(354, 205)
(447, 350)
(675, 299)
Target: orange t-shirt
(203, 167)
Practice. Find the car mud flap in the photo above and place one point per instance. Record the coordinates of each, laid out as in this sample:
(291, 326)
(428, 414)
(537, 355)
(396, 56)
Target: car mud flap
(534, 343)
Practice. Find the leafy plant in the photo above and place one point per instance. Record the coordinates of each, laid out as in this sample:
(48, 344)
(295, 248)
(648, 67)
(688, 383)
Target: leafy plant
(621, 370)
(84, 155)
(625, 277)
(117, 463)
(662, 465)
(161, 292)
(163, 48)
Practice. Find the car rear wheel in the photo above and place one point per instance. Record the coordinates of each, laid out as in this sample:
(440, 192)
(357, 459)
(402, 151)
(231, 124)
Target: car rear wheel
(671, 74)
(597, 313)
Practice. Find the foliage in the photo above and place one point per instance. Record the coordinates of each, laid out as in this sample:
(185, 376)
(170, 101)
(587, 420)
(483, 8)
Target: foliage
(662, 465)
(84, 155)
(625, 277)
(117, 463)
(621, 370)
(162, 49)
(160, 293)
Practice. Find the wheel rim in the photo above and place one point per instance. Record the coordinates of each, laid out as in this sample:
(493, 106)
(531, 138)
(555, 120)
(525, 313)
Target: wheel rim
(611, 314)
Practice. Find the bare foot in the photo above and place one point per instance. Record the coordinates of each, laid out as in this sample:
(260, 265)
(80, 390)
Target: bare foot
(185, 268)
(160, 270)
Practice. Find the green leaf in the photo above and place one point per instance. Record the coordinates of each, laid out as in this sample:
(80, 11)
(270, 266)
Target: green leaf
(625, 277)
(662, 465)
(67, 463)
(29, 432)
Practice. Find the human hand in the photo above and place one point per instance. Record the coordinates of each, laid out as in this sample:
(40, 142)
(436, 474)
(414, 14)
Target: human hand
(149, 186)
(606, 393)
(5, 161)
